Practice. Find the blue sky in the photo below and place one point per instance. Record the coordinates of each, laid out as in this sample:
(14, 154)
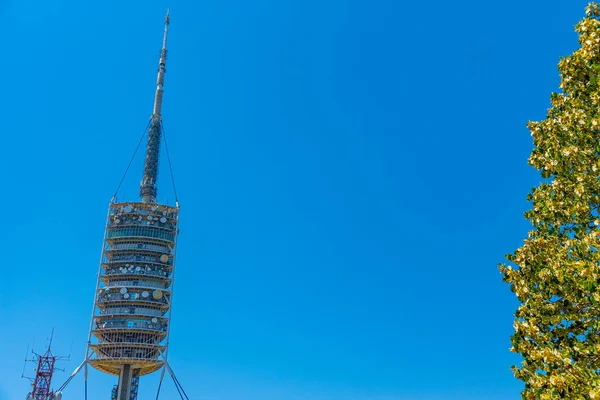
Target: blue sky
(349, 172)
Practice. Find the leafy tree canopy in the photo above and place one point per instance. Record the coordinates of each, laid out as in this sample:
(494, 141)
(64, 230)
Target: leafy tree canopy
(556, 273)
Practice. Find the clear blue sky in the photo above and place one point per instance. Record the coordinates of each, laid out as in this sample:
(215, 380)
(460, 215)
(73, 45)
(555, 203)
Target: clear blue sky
(350, 173)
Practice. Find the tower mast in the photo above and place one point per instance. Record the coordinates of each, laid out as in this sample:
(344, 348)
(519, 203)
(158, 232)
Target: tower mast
(148, 187)
(130, 321)
(46, 366)
(131, 317)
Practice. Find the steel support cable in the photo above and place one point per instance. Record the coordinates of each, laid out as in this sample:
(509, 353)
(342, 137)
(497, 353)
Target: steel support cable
(132, 158)
(169, 161)
(162, 376)
(179, 384)
(65, 384)
(158, 391)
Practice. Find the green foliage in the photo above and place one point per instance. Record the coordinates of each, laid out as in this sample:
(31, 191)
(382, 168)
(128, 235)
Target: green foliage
(556, 273)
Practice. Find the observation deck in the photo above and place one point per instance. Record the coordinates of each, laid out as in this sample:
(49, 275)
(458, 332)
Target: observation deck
(133, 299)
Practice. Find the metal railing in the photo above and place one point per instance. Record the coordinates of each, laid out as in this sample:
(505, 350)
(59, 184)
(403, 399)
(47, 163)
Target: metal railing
(127, 311)
(136, 257)
(140, 246)
(115, 271)
(132, 297)
(139, 284)
(132, 325)
(142, 232)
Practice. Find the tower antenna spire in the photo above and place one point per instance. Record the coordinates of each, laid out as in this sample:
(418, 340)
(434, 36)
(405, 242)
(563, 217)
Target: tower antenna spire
(160, 80)
(148, 188)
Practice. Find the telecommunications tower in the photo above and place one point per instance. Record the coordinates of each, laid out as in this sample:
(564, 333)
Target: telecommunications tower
(129, 328)
(46, 366)
(130, 321)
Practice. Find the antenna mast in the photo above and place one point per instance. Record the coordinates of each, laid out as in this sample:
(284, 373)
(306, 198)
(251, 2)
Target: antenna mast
(46, 365)
(148, 187)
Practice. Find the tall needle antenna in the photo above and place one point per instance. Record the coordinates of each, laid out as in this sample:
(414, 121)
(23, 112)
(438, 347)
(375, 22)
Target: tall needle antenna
(148, 187)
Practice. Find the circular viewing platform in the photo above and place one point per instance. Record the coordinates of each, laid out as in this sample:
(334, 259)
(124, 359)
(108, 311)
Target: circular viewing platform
(131, 313)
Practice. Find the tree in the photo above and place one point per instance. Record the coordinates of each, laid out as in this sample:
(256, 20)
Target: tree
(556, 273)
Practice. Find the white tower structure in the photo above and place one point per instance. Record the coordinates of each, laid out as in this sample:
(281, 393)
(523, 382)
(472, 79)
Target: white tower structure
(130, 322)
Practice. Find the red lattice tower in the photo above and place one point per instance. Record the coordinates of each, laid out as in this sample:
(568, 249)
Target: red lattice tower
(43, 376)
